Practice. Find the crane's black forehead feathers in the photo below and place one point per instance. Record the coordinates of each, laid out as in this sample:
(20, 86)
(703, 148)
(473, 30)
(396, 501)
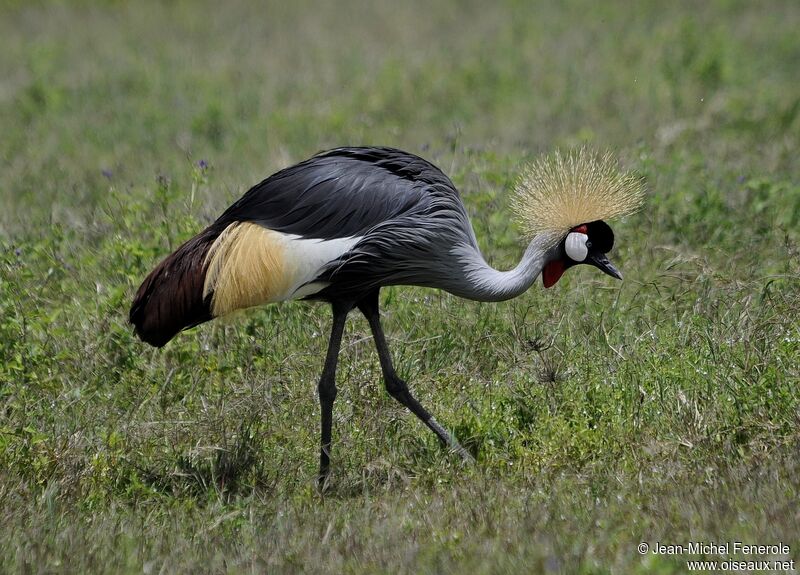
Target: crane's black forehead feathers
(340, 193)
(601, 236)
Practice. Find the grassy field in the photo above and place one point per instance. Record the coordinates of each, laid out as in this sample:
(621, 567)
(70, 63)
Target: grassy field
(664, 408)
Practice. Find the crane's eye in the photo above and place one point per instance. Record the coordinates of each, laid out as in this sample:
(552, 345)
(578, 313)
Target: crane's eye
(576, 246)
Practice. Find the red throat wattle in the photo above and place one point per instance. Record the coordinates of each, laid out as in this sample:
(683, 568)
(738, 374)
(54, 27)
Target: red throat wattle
(552, 272)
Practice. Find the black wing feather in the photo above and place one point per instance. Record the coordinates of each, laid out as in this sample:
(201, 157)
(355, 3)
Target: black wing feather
(339, 193)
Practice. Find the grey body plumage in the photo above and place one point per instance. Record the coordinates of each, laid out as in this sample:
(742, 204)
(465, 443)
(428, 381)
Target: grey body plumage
(414, 228)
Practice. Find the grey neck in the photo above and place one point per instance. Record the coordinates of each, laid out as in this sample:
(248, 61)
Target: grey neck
(484, 283)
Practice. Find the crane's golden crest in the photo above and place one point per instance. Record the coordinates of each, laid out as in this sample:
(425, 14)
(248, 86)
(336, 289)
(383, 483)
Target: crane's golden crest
(558, 192)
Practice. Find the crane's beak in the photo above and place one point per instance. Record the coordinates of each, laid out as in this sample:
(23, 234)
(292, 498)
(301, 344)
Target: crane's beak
(600, 261)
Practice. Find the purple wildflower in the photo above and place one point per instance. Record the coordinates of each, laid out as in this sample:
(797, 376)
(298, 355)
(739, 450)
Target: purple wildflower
(107, 173)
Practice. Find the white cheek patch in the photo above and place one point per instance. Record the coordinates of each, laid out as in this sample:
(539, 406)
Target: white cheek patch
(575, 246)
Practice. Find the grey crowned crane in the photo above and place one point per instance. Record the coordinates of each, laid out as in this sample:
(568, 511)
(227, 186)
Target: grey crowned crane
(345, 223)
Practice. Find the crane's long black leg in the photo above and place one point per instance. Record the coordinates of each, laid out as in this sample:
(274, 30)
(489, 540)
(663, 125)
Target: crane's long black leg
(398, 388)
(327, 389)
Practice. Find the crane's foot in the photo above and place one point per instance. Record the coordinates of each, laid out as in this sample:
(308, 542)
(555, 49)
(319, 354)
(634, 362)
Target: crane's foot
(323, 479)
(450, 441)
(398, 389)
(323, 482)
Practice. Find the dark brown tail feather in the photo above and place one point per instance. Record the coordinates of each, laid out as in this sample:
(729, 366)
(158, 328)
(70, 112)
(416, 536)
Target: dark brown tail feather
(171, 298)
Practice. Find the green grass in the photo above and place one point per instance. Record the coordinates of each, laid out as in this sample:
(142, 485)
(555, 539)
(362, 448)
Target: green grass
(602, 413)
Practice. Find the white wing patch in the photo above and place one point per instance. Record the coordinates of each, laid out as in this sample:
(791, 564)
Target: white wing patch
(250, 265)
(307, 257)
